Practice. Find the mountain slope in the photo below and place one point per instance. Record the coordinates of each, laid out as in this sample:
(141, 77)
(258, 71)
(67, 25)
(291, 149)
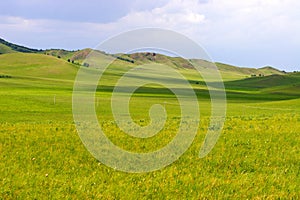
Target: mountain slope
(7, 47)
(268, 70)
(264, 71)
(228, 72)
(267, 83)
(36, 65)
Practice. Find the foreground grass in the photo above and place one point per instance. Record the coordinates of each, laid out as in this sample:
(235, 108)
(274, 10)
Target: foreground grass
(254, 158)
(42, 156)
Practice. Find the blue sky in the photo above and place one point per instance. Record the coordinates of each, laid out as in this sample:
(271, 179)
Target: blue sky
(251, 33)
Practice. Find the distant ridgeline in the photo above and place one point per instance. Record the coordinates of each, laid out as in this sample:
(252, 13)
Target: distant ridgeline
(79, 56)
(18, 48)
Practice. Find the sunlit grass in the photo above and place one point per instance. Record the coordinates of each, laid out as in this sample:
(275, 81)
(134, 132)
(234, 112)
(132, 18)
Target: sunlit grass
(42, 157)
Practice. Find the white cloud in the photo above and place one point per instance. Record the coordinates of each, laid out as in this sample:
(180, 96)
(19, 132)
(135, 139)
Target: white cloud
(227, 22)
(252, 20)
(213, 22)
(176, 14)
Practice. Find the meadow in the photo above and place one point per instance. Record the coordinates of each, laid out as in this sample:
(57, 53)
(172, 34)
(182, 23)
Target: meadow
(42, 157)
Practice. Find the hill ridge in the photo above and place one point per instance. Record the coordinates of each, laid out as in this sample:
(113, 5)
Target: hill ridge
(78, 57)
(16, 48)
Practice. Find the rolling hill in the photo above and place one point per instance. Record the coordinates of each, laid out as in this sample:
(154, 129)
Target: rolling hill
(43, 155)
(36, 65)
(61, 64)
(79, 56)
(7, 47)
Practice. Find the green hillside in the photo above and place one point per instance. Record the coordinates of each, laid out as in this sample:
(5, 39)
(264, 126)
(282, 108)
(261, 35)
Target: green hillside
(60, 53)
(63, 65)
(266, 82)
(265, 71)
(36, 65)
(229, 72)
(7, 47)
(77, 56)
(273, 87)
(270, 70)
(43, 157)
(47, 66)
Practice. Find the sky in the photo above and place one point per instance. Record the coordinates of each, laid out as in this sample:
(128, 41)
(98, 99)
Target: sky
(248, 33)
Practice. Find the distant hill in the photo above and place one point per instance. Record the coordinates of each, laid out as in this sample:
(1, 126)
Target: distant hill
(268, 70)
(264, 71)
(148, 57)
(78, 57)
(287, 85)
(36, 65)
(267, 81)
(177, 62)
(7, 47)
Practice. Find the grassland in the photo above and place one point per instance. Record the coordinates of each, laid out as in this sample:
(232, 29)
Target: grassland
(42, 156)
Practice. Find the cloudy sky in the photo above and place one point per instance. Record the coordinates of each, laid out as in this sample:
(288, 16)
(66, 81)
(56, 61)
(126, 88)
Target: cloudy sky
(251, 33)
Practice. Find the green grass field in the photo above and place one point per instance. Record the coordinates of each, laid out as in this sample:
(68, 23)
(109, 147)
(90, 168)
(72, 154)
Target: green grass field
(42, 157)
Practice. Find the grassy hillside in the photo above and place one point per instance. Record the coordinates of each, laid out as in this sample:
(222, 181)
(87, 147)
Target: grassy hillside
(42, 156)
(265, 71)
(76, 56)
(228, 72)
(270, 70)
(36, 65)
(47, 66)
(7, 47)
(266, 82)
(60, 53)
